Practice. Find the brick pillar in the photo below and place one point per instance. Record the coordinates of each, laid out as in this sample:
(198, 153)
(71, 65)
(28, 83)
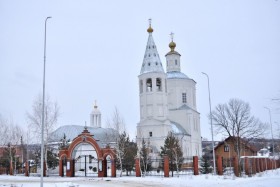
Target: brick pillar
(166, 166)
(11, 168)
(113, 168)
(253, 165)
(44, 169)
(137, 167)
(26, 168)
(72, 167)
(104, 166)
(236, 166)
(220, 165)
(195, 165)
(247, 168)
(61, 172)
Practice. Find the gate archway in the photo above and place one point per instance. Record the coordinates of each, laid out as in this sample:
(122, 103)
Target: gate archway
(84, 157)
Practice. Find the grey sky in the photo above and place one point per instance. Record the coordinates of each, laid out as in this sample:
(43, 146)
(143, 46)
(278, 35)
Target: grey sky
(95, 51)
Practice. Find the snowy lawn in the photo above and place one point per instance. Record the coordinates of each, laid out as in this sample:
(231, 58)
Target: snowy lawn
(265, 179)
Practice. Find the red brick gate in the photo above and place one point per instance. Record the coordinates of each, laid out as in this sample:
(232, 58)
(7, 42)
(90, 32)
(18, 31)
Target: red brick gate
(85, 138)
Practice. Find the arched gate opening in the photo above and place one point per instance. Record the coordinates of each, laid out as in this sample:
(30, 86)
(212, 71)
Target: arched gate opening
(85, 158)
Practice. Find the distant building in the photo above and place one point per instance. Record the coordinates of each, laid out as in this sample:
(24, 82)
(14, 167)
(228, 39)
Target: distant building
(226, 148)
(167, 101)
(263, 152)
(104, 136)
(95, 117)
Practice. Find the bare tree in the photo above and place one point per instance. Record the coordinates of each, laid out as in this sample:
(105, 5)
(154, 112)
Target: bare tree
(10, 133)
(35, 119)
(120, 149)
(117, 122)
(10, 137)
(234, 119)
(3, 131)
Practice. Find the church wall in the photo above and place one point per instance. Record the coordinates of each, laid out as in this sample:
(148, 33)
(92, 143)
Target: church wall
(175, 89)
(173, 63)
(153, 131)
(196, 134)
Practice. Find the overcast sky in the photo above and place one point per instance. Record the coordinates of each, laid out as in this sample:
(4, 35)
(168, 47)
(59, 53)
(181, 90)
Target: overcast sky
(95, 51)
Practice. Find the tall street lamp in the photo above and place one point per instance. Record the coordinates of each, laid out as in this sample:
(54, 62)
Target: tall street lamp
(271, 129)
(213, 146)
(43, 108)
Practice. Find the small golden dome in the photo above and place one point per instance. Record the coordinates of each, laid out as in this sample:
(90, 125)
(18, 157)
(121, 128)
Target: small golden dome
(172, 45)
(150, 29)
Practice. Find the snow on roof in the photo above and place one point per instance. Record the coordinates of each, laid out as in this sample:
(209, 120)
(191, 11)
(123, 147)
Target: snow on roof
(176, 75)
(72, 131)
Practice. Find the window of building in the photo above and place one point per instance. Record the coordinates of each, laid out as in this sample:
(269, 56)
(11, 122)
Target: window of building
(226, 148)
(149, 85)
(150, 134)
(175, 62)
(158, 83)
(149, 64)
(184, 97)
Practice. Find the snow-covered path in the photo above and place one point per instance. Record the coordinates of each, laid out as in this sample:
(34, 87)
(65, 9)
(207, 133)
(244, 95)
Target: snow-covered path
(266, 179)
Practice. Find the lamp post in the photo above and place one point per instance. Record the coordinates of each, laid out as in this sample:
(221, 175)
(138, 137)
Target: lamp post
(271, 129)
(213, 146)
(43, 108)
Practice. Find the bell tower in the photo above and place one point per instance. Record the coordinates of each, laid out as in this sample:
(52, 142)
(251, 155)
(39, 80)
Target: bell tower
(154, 123)
(152, 83)
(95, 117)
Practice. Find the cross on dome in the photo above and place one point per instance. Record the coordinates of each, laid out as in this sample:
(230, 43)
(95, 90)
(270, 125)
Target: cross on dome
(172, 44)
(150, 29)
(172, 36)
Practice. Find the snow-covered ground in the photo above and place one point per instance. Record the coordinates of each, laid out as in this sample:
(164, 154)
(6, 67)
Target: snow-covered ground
(265, 179)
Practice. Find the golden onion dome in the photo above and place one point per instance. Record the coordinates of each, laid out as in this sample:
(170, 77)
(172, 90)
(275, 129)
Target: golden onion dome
(172, 45)
(150, 29)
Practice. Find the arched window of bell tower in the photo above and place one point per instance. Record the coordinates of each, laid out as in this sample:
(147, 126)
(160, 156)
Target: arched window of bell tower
(159, 84)
(149, 85)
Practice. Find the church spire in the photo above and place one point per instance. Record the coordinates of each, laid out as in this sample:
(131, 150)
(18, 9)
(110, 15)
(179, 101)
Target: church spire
(151, 61)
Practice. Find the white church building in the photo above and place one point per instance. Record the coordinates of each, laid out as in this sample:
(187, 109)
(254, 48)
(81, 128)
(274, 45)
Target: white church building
(167, 101)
